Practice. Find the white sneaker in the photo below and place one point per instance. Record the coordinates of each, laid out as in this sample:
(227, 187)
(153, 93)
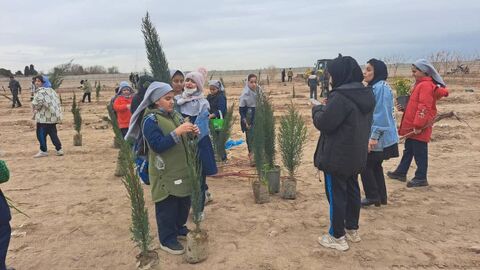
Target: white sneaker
(41, 154)
(331, 242)
(60, 152)
(208, 197)
(353, 236)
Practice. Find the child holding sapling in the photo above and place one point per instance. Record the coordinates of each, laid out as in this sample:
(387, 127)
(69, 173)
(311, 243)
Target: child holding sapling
(194, 105)
(417, 122)
(165, 131)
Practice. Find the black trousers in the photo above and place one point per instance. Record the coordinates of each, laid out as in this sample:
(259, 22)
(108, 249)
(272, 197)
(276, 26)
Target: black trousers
(15, 100)
(373, 179)
(343, 194)
(86, 95)
(172, 214)
(5, 230)
(51, 130)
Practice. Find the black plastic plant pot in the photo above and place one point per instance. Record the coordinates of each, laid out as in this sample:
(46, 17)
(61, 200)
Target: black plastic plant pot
(403, 101)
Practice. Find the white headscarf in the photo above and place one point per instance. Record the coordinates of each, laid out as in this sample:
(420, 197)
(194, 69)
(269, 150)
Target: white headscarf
(193, 104)
(248, 97)
(424, 66)
(218, 84)
(155, 91)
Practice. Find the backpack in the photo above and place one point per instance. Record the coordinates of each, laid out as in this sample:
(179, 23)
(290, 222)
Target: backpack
(140, 150)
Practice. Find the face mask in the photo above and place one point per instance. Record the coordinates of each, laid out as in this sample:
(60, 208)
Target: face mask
(190, 91)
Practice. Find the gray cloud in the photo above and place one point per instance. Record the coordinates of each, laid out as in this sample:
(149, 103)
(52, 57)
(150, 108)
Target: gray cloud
(232, 34)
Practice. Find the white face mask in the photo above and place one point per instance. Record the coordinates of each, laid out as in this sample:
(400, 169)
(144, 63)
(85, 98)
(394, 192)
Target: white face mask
(190, 91)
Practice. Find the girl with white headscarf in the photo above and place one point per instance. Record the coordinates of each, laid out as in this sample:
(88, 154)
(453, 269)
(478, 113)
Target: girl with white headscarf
(164, 132)
(247, 111)
(417, 122)
(192, 104)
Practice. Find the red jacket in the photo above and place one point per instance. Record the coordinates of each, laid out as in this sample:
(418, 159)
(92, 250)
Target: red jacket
(123, 112)
(421, 109)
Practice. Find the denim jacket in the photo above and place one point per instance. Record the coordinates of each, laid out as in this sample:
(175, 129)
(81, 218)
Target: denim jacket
(384, 127)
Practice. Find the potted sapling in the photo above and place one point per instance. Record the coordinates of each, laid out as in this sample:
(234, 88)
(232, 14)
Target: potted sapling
(291, 140)
(77, 120)
(259, 185)
(402, 87)
(271, 170)
(197, 239)
(140, 226)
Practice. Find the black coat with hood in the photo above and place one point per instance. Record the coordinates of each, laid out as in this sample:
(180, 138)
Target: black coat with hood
(345, 121)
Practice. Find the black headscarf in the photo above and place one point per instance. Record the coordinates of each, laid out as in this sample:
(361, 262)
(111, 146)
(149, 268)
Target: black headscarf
(344, 69)
(380, 72)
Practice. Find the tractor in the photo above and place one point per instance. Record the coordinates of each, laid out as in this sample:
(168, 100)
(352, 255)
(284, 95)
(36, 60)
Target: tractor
(320, 68)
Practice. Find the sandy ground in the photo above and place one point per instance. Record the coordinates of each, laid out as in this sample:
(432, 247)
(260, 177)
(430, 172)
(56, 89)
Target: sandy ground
(80, 213)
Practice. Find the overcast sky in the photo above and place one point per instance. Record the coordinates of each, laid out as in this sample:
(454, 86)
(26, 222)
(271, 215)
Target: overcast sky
(232, 34)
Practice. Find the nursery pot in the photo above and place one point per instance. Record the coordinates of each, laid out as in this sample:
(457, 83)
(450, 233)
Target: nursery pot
(403, 101)
(260, 192)
(77, 139)
(289, 189)
(196, 249)
(273, 178)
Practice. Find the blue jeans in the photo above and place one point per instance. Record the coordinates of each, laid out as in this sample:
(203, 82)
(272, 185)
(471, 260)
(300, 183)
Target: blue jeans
(419, 151)
(172, 214)
(343, 194)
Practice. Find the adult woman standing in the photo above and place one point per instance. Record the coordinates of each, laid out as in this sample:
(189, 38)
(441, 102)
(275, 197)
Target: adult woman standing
(383, 142)
(344, 123)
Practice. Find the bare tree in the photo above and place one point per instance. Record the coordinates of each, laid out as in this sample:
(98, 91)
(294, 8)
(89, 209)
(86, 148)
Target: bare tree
(393, 62)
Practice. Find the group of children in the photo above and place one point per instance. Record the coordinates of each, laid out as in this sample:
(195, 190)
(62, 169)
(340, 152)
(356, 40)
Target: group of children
(164, 115)
(358, 132)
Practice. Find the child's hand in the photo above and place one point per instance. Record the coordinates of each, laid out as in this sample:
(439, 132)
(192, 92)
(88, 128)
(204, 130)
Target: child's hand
(185, 128)
(196, 130)
(399, 107)
(211, 116)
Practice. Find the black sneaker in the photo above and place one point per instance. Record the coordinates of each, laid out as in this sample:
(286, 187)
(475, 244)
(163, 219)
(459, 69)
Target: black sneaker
(366, 202)
(173, 247)
(397, 176)
(415, 182)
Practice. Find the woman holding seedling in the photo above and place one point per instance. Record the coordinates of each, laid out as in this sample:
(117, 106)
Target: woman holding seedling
(164, 131)
(417, 122)
(383, 142)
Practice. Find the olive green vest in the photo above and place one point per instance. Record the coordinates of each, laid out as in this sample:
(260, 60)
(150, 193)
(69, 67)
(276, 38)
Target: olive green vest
(168, 171)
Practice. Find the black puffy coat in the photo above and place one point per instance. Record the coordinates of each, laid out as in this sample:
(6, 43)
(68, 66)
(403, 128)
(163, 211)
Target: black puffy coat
(344, 124)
